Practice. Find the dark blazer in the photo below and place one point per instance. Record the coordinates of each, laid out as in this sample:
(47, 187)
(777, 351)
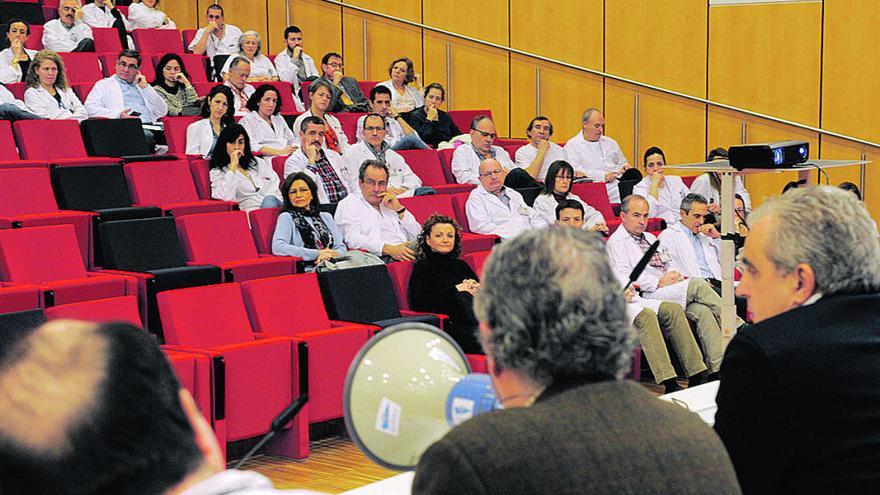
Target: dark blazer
(799, 401)
(432, 132)
(610, 437)
(361, 104)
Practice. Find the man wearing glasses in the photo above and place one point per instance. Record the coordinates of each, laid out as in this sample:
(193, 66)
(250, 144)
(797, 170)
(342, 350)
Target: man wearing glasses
(494, 209)
(401, 180)
(467, 158)
(347, 95)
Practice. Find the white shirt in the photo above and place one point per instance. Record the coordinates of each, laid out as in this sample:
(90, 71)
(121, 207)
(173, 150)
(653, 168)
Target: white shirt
(142, 16)
(58, 38)
(332, 121)
(411, 99)
(278, 135)
(703, 186)
(239, 102)
(200, 138)
(247, 192)
(299, 162)
(9, 72)
(101, 17)
(235, 482)
(393, 130)
(625, 253)
(219, 46)
(289, 68)
(466, 163)
(6, 96)
(40, 102)
(545, 205)
(487, 213)
(261, 66)
(399, 173)
(526, 154)
(106, 100)
(595, 159)
(668, 205)
(364, 227)
(678, 241)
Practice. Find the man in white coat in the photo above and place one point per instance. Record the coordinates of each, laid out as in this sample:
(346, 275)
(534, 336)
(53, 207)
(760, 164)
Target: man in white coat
(373, 218)
(596, 155)
(401, 180)
(293, 64)
(494, 209)
(237, 76)
(68, 33)
(217, 37)
(467, 158)
(103, 14)
(334, 178)
(398, 134)
(664, 193)
(661, 279)
(692, 243)
(536, 157)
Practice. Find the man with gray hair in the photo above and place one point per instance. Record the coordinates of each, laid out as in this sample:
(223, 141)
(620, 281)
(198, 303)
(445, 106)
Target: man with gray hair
(558, 341)
(596, 155)
(693, 244)
(799, 402)
(238, 72)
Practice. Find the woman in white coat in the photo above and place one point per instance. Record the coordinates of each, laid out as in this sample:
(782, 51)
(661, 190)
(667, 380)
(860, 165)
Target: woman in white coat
(265, 126)
(404, 97)
(146, 14)
(557, 188)
(15, 60)
(236, 175)
(48, 94)
(663, 192)
(249, 46)
(217, 113)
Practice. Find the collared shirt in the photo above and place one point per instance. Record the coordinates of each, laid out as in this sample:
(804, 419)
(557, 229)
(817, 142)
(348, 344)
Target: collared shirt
(526, 154)
(132, 96)
(644, 245)
(333, 185)
(705, 271)
(466, 162)
(489, 154)
(365, 227)
(595, 159)
(502, 195)
(379, 153)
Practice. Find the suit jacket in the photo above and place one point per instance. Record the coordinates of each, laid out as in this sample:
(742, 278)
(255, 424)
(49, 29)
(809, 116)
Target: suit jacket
(610, 437)
(361, 104)
(799, 401)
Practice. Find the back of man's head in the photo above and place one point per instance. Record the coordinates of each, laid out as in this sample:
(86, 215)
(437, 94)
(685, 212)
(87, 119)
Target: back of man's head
(91, 408)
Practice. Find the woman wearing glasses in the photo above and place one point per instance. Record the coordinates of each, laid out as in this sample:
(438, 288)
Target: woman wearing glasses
(48, 94)
(557, 188)
(236, 175)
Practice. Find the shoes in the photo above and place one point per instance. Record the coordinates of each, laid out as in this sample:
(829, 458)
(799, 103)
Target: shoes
(699, 379)
(671, 385)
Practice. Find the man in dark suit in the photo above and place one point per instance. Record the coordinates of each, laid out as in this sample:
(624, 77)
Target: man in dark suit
(557, 342)
(347, 95)
(799, 400)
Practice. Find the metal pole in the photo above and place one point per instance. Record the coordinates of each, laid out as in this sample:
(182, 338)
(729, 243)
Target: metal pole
(743, 131)
(448, 84)
(862, 175)
(728, 305)
(636, 129)
(537, 89)
(287, 13)
(365, 50)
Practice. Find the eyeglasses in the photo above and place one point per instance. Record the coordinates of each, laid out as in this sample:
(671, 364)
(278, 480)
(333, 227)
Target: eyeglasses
(485, 134)
(490, 173)
(373, 183)
(371, 129)
(338, 65)
(128, 66)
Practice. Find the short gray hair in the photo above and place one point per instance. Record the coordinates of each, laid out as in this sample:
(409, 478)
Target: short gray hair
(245, 35)
(690, 199)
(554, 308)
(371, 163)
(238, 60)
(627, 201)
(588, 113)
(828, 229)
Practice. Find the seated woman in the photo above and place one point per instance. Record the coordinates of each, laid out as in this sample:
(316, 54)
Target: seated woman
(267, 129)
(404, 98)
(433, 125)
(172, 84)
(146, 14)
(663, 193)
(442, 283)
(557, 188)
(48, 94)
(236, 175)
(14, 61)
(302, 230)
(249, 46)
(217, 113)
(334, 137)
(708, 184)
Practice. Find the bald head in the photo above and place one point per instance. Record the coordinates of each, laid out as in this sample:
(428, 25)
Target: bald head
(593, 123)
(491, 175)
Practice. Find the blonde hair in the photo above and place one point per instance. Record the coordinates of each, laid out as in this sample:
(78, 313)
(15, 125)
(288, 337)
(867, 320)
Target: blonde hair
(32, 80)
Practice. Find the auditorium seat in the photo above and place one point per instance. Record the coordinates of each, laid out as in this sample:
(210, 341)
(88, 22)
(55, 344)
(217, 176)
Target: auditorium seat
(463, 118)
(108, 63)
(9, 152)
(348, 120)
(689, 180)
(595, 195)
(426, 164)
(224, 239)
(122, 308)
(283, 88)
(446, 163)
(514, 144)
(82, 90)
(200, 169)
(367, 86)
(476, 261)
(82, 67)
(18, 297)
(203, 88)
(17, 89)
(169, 185)
(328, 345)
(304, 91)
(195, 65)
(175, 132)
(263, 227)
(35, 40)
(400, 271)
(32, 13)
(161, 41)
(188, 36)
(116, 138)
(278, 165)
(57, 141)
(423, 207)
(106, 40)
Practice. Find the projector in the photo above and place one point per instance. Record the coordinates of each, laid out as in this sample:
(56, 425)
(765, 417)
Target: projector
(781, 154)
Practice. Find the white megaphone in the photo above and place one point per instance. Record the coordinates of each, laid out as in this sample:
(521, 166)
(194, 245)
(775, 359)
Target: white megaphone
(406, 388)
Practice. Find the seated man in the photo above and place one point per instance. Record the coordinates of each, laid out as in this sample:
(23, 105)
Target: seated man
(536, 157)
(492, 208)
(13, 109)
(596, 155)
(335, 180)
(402, 181)
(433, 125)
(663, 192)
(373, 218)
(293, 64)
(68, 33)
(237, 76)
(398, 134)
(347, 95)
(557, 340)
(467, 158)
(694, 245)
(103, 14)
(217, 39)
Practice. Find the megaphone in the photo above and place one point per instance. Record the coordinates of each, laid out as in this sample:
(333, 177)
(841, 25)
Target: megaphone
(408, 386)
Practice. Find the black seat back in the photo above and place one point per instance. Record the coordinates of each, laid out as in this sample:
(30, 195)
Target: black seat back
(141, 245)
(18, 325)
(363, 294)
(30, 12)
(114, 137)
(90, 188)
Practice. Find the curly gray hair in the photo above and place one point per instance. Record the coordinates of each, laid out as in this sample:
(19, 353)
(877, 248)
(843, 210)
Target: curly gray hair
(554, 308)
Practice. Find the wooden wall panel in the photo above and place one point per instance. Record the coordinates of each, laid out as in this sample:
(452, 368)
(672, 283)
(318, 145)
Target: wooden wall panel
(619, 111)
(485, 20)
(410, 10)
(566, 30)
(277, 24)
(523, 103)
(385, 42)
(185, 14)
(838, 149)
(321, 24)
(245, 15)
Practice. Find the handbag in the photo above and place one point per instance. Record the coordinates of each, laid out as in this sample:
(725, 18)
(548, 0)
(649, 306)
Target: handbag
(351, 259)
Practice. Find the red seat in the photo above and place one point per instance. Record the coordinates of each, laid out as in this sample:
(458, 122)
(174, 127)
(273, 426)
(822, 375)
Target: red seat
(17, 89)
(285, 90)
(56, 141)
(304, 91)
(223, 239)
(123, 9)
(349, 124)
(476, 261)
(201, 174)
(331, 344)
(9, 152)
(689, 179)
(82, 90)
(595, 195)
(463, 118)
(203, 88)
(49, 257)
(367, 86)
(515, 144)
(278, 166)
(108, 62)
(400, 271)
(19, 297)
(175, 132)
(157, 41)
(82, 67)
(423, 207)
(195, 65)
(263, 227)
(106, 40)
(35, 40)
(188, 36)
(168, 185)
(426, 164)
(446, 163)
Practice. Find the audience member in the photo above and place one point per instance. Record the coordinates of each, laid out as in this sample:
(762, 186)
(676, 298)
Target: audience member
(201, 136)
(799, 401)
(432, 124)
(443, 283)
(146, 15)
(325, 166)
(68, 33)
(216, 37)
(302, 230)
(374, 220)
(558, 342)
(467, 158)
(293, 64)
(103, 14)
(536, 157)
(48, 94)
(237, 175)
(557, 189)
(693, 245)
(849, 186)
(405, 96)
(494, 209)
(664, 193)
(237, 76)
(173, 85)
(250, 46)
(13, 109)
(346, 93)
(266, 127)
(596, 155)
(708, 185)
(741, 217)
(794, 184)
(15, 60)
(399, 135)
(321, 94)
(401, 180)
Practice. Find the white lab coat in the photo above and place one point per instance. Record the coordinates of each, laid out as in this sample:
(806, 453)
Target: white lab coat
(288, 68)
(10, 73)
(40, 102)
(101, 17)
(6, 96)
(332, 121)
(366, 228)
(229, 186)
(400, 175)
(677, 240)
(545, 205)
(58, 38)
(397, 101)
(140, 16)
(466, 163)
(236, 99)
(625, 253)
(487, 214)
(595, 159)
(668, 205)
(298, 162)
(526, 154)
(219, 46)
(105, 100)
(261, 66)
(278, 135)
(393, 130)
(200, 138)
(703, 186)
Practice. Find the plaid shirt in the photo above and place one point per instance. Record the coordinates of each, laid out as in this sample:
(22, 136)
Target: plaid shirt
(656, 260)
(334, 187)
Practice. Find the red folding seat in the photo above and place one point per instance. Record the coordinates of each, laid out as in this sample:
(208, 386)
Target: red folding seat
(367, 86)
(35, 40)
(463, 118)
(595, 195)
(446, 163)
(9, 152)
(514, 144)
(330, 345)
(689, 179)
(223, 239)
(27, 200)
(19, 297)
(195, 65)
(201, 174)
(157, 41)
(17, 89)
(82, 90)
(423, 207)
(286, 91)
(82, 67)
(106, 40)
(426, 164)
(476, 261)
(57, 141)
(278, 165)
(459, 202)
(108, 63)
(261, 370)
(169, 185)
(49, 257)
(400, 271)
(349, 124)
(263, 227)
(203, 88)
(175, 132)
(188, 36)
